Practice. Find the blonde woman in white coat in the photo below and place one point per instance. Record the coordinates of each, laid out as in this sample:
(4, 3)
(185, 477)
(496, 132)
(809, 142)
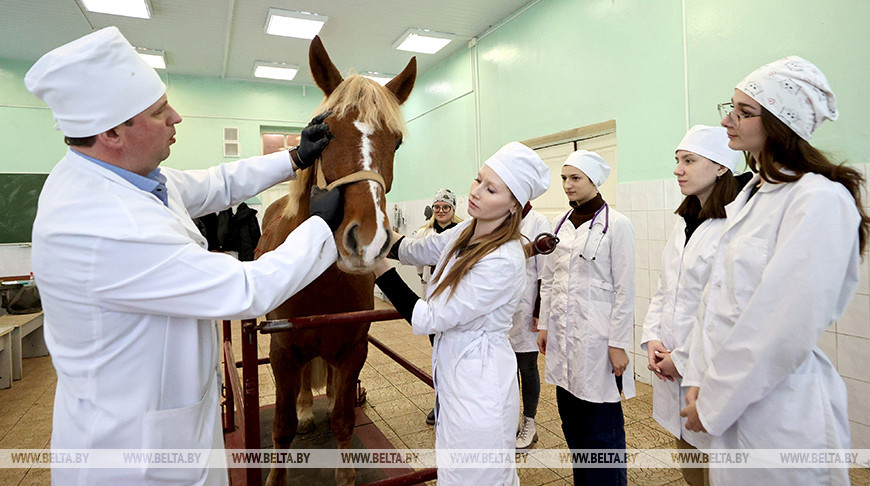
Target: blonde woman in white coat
(524, 331)
(587, 316)
(129, 290)
(786, 268)
(704, 171)
(479, 277)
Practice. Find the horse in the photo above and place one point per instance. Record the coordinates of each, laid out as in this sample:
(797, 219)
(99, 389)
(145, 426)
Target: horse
(368, 127)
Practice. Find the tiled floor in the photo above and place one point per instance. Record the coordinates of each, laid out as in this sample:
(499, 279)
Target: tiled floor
(396, 401)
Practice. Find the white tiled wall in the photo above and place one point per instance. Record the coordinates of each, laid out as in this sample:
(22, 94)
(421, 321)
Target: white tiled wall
(650, 207)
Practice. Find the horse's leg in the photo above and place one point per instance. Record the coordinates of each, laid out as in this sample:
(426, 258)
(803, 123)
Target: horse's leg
(287, 381)
(304, 403)
(344, 384)
(330, 389)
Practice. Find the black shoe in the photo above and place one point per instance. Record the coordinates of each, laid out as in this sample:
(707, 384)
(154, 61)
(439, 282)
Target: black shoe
(430, 419)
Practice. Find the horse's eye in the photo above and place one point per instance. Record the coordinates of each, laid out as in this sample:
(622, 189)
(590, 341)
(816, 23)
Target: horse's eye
(398, 144)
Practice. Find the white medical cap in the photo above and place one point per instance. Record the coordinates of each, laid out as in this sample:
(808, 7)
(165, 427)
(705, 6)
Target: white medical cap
(94, 83)
(795, 91)
(591, 164)
(710, 143)
(445, 195)
(522, 170)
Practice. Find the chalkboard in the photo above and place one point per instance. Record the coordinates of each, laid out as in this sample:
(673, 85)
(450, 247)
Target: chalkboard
(19, 194)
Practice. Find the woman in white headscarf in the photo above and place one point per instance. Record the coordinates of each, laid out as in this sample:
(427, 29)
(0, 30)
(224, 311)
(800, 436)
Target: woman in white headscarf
(705, 166)
(786, 268)
(479, 276)
(587, 317)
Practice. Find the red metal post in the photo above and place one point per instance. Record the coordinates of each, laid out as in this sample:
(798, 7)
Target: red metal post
(251, 399)
(403, 362)
(307, 322)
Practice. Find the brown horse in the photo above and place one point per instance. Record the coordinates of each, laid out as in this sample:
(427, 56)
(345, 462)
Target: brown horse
(368, 128)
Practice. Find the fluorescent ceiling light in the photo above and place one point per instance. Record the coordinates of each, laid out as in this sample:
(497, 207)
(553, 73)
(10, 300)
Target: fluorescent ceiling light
(423, 41)
(380, 78)
(128, 8)
(155, 58)
(287, 23)
(275, 70)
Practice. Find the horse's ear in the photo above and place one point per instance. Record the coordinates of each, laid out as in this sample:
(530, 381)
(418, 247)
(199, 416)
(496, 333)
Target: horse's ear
(402, 84)
(325, 74)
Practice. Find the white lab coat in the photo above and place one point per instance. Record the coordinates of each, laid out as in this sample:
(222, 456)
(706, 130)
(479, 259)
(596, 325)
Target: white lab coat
(673, 313)
(473, 365)
(522, 339)
(786, 269)
(587, 306)
(129, 292)
(424, 271)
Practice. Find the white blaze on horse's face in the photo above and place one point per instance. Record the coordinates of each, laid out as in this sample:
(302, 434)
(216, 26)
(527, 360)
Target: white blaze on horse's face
(373, 250)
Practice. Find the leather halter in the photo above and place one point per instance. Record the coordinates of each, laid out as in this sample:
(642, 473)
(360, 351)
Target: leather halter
(362, 175)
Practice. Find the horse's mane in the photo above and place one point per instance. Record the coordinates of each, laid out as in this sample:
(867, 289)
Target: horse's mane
(377, 107)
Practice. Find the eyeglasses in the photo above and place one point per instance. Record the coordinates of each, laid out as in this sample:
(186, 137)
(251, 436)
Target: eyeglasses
(727, 110)
(441, 209)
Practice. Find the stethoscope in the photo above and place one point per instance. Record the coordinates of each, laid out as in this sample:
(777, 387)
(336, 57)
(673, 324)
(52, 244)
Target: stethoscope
(606, 209)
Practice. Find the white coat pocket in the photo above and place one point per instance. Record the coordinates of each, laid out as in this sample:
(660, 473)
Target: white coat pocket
(601, 297)
(160, 430)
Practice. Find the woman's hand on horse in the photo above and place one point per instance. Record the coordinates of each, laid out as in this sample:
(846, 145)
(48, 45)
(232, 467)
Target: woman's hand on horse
(328, 205)
(314, 138)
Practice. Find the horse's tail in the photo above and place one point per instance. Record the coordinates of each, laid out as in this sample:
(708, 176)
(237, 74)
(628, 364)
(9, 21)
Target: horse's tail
(319, 369)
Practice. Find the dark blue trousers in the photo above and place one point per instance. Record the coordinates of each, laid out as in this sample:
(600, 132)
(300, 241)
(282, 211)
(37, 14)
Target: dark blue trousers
(588, 425)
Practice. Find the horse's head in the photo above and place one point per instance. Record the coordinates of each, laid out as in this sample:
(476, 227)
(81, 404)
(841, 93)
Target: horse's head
(368, 128)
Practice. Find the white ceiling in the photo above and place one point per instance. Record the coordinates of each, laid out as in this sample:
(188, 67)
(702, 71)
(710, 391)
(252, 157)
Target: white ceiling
(223, 38)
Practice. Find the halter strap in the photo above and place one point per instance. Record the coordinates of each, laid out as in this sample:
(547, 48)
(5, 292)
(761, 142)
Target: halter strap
(363, 175)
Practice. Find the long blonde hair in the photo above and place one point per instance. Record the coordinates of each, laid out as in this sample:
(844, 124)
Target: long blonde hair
(431, 222)
(467, 256)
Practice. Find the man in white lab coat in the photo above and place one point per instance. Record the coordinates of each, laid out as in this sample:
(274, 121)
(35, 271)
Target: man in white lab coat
(128, 287)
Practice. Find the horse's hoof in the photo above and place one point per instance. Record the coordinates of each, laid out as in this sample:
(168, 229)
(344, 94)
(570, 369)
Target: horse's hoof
(360, 396)
(305, 427)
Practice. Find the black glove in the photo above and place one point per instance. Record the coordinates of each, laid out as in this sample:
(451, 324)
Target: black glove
(314, 138)
(329, 205)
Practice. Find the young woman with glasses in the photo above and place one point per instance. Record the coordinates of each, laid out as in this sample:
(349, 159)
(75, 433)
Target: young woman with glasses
(587, 317)
(704, 171)
(786, 268)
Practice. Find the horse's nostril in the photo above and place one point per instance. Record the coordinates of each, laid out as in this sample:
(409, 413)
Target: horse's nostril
(350, 241)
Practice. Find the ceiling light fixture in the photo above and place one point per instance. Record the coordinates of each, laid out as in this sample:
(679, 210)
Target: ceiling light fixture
(140, 9)
(287, 23)
(380, 78)
(423, 41)
(155, 58)
(275, 70)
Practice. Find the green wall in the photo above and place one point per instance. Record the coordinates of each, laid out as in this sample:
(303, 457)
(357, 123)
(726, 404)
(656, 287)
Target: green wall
(558, 65)
(206, 106)
(564, 64)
